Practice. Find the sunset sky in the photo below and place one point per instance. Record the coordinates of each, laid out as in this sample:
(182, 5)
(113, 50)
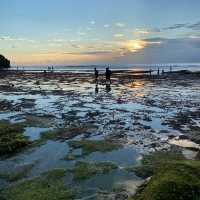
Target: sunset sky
(116, 32)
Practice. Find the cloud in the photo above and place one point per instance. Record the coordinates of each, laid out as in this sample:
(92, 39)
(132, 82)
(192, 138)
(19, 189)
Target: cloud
(162, 50)
(92, 22)
(55, 44)
(81, 33)
(149, 50)
(75, 45)
(106, 25)
(193, 26)
(61, 58)
(118, 35)
(89, 53)
(57, 40)
(119, 51)
(8, 38)
(141, 32)
(120, 25)
(176, 26)
(138, 45)
(154, 40)
(145, 31)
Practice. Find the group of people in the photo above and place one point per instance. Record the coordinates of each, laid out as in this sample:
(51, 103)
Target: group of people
(108, 74)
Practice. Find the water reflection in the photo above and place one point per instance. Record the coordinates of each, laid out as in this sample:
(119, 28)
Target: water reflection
(136, 84)
(96, 89)
(108, 88)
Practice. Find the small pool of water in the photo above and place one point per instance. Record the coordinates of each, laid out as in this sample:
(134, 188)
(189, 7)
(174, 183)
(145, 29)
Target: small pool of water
(34, 132)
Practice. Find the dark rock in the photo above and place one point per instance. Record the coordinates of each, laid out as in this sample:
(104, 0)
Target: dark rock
(121, 196)
(183, 137)
(4, 63)
(171, 136)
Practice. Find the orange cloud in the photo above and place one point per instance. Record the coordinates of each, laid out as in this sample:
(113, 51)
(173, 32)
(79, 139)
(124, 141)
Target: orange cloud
(88, 53)
(58, 58)
(137, 45)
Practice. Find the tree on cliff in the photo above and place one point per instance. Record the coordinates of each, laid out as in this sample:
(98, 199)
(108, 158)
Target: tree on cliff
(4, 63)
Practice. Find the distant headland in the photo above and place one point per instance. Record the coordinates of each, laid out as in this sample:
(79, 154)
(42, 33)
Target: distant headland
(4, 62)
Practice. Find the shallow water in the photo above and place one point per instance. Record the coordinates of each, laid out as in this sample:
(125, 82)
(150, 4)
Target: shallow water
(34, 132)
(136, 110)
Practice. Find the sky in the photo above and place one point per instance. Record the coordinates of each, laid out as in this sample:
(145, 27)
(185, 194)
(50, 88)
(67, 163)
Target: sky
(99, 32)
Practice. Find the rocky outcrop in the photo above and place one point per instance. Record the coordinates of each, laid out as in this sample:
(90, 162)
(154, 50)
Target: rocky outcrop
(4, 62)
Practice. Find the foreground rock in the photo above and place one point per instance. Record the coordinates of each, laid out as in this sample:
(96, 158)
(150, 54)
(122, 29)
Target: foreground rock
(173, 177)
(48, 186)
(11, 138)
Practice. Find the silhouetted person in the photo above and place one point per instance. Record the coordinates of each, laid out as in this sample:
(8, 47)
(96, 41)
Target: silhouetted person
(96, 75)
(158, 72)
(108, 75)
(163, 71)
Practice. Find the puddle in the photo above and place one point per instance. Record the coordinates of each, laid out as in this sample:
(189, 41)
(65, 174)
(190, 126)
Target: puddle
(122, 157)
(34, 132)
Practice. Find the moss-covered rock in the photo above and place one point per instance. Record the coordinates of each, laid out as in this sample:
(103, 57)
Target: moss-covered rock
(17, 173)
(49, 135)
(68, 132)
(11, 137)
(90, 146)
(54, 174)
(173, 177)
(48, 186)
(85, 170)
(43, 121)
(151, 162)
(73, 130)
(70, 157)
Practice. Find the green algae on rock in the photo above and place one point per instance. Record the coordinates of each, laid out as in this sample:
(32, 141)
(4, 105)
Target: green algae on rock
(48, 135)
(173, 177)
(150, 162)
(18, 173)
(73, 130)
(47, 186)
(68, 132)
(85, 170)
(43, 121)
(90, 146)
(70, 157)
(55, 174)
(11, 137)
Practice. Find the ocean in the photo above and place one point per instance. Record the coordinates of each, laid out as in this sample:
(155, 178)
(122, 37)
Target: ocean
(90, 68)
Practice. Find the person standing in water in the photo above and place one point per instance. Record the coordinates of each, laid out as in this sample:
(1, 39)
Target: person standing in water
(96, 75)
(108, 75)
(158, 72)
